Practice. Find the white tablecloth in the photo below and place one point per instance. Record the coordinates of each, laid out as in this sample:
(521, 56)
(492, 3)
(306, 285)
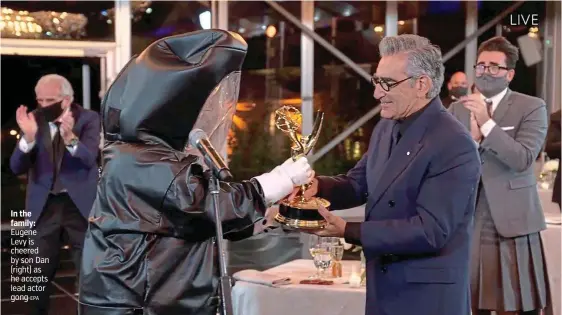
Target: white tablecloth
(296, 299)
(254, 299)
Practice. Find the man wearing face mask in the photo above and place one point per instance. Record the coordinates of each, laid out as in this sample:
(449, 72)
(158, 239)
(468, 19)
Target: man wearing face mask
(508, 274)
(457, 86)
(58, 151)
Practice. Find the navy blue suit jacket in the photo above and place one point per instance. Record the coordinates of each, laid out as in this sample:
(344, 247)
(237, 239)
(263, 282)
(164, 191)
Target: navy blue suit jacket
(78, 173)
(419, 214)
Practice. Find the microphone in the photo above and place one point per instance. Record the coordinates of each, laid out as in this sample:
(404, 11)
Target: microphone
(198, 139)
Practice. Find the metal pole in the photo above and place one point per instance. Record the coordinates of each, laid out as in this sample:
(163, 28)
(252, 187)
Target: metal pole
(122, 32)
(225, 283)
(223, 15)
(391, 19)
(214, 14)
(86, 87)
(103, 76)
(471, 48)
(307, 68)
(460, 46)
(415, 26)
(499, 30)
(551, 78)
(291, 18)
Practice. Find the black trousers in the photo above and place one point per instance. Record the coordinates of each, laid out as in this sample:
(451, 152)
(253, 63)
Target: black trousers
(60, 223)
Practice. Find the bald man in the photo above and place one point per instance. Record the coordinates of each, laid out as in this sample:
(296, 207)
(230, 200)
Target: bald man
(457, 86)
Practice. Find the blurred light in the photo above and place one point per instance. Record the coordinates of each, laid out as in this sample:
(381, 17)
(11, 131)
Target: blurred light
(347, 12)
(241, 30)
(378, 29)
(148, 11)
(104, 13)
(17, 136)
(270, 31)
(205, 20)
(245, 106)
(534, 29)
(263, 27)
(13, 132)
(533, 35)
(401, 22)
(109, 21)
(316, 17)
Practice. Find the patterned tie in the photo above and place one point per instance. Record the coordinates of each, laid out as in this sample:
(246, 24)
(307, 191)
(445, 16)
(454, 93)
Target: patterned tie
(58, 151)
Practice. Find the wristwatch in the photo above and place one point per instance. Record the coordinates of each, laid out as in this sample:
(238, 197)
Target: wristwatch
(73, 142)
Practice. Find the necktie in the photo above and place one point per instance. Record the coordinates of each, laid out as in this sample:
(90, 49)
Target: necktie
(58, 151)
(489, 106)
(395, 138)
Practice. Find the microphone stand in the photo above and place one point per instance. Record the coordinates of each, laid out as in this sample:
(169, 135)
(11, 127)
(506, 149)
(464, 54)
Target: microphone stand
(225, 282)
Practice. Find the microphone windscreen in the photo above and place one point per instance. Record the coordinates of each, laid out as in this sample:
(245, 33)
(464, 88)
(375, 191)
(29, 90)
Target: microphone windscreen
(195, 135)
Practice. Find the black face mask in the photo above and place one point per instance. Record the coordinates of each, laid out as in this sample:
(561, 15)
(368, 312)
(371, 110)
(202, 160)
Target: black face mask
(50, 113)
(458, 91)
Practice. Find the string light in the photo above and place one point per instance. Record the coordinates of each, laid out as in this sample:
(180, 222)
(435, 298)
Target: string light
(43, 24)
(138, 10)
(18, 24)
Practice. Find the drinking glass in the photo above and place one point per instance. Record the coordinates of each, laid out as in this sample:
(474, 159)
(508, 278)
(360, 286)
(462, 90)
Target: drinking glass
(322, 259)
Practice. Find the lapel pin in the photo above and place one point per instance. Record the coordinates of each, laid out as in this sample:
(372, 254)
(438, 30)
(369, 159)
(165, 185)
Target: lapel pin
(408, 153)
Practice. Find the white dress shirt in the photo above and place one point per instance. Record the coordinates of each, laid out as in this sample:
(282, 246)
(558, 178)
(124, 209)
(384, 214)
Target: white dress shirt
(487, 127)
(26, 147)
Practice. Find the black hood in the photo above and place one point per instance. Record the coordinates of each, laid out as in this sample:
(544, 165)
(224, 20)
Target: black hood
(161, 92)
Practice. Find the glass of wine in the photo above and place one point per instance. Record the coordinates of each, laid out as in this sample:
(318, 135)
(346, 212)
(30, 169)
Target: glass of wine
(313, 242)
(336, 250)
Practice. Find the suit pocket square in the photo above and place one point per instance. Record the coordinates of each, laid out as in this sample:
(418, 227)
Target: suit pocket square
(508, 128)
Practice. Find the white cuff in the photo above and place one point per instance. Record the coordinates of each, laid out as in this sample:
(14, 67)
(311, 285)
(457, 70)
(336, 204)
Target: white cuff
(24, 146)
(487, 127)
(72, 149)
(275, 186)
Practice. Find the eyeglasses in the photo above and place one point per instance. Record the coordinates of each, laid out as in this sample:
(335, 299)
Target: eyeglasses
(384, 84)
(492, 69)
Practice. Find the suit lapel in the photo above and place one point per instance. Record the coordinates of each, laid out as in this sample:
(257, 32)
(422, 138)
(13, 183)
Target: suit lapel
(464, 116)
(403, 153)
(76, 109)
(383, 149)
(502, 108)
(45, 138)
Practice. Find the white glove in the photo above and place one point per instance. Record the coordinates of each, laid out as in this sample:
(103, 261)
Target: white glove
(280, 181)
(299, 171)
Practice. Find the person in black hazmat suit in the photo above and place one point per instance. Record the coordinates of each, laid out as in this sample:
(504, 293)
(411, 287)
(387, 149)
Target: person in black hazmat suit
(149, 246)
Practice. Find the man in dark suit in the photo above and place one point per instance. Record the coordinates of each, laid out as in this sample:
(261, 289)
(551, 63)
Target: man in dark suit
(58, 151)
(552, 149)
(419, 179)
(457, 87)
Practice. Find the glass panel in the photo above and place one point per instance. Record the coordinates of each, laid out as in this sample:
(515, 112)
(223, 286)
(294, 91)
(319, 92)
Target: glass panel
(61, 20)
(270, 79)
(344, 97)
(166, 18)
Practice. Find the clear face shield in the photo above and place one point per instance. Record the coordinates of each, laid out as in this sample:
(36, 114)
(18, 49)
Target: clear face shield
(215, 117)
